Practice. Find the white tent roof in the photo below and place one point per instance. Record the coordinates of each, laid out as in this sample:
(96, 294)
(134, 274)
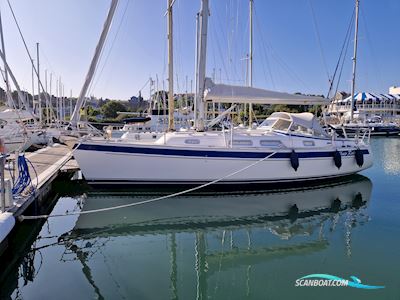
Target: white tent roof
(224, 93)
(305, 119)
(370, 97)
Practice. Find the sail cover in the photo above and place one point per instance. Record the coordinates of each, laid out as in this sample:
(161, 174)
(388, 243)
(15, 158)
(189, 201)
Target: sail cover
(224, 93)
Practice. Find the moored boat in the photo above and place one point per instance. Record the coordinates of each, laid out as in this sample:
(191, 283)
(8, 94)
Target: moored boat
(293, 148)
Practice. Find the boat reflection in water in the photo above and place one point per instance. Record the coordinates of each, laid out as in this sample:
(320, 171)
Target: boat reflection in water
(211, 209)
(212, 244)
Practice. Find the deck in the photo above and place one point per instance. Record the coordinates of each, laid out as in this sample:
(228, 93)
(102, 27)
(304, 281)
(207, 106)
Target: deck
(47, 164)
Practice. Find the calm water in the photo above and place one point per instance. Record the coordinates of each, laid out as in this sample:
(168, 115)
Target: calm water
(251, 245)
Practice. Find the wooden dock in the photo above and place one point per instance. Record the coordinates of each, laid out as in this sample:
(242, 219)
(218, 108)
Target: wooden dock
(47, 164)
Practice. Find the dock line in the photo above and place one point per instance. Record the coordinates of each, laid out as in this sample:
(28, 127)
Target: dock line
(22, 217)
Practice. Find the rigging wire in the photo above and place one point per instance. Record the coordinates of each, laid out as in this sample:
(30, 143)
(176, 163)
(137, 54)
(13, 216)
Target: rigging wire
(346, 44)
(342, 66)
(231, 42)
(264, 51)
(283, 64)
(221, 54)
(43, 52)
(145, 84)
(94, 83)
(318, 37)
(223, 58)
(372, 52)
(342, 56)
(24, 42)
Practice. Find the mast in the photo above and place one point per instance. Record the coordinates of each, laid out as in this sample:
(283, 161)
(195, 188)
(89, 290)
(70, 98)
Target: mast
(201, 64)
(70, 103)
(196, 72)
(10, 101)
(251, 61)
(14, 80)
(33, 86)
(63, 101)
(93, 64)
(57, 103)
(38, 76)
(47, 99)
(353, 81)
(170, 69)
(51, 96)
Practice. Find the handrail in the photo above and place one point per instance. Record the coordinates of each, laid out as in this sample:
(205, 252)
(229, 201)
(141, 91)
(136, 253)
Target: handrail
(2, 181)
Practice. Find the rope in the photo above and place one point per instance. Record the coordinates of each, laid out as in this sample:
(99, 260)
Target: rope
(22, 217)
(36, 174)
(24, 178)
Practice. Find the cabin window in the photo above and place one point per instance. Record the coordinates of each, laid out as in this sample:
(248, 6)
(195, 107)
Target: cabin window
(308, 143)
(271, 144)
(192, 141)
(242, 143)
(281, 124)
(267, 122)
(301, 129)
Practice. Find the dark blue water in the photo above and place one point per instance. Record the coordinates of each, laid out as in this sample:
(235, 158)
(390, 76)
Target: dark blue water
(251, 245)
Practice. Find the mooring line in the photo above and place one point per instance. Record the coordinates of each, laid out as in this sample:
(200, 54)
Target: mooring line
(22, 217)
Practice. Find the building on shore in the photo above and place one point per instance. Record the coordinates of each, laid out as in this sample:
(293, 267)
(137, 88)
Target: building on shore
(394, 90)
(368, 105)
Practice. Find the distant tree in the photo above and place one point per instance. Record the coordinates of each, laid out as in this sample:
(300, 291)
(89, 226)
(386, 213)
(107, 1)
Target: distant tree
(102, 102)
(316, 110)
(93, 111)
(111, 108)
(3, 95)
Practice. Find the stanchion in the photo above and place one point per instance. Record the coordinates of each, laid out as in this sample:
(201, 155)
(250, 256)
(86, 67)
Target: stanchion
(3, 186)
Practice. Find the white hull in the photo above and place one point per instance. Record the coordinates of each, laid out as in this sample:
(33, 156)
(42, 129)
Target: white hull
(294, 148)
(157, 164)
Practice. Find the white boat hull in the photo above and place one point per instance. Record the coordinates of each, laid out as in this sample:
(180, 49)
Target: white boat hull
(135, 163)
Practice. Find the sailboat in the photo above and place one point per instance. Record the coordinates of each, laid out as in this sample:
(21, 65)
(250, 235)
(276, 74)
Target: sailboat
(20, 126)
(285, 148)
(355, 122)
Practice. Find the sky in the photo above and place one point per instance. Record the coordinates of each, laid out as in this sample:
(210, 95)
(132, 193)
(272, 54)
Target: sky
(296, 44)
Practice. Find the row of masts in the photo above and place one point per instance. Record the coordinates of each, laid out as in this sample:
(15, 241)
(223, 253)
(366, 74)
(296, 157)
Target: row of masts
(61, 110)
(200, 66)
(23, 100)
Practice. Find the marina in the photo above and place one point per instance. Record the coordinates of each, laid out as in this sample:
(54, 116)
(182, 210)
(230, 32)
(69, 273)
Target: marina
(239, 183)
(256, 246)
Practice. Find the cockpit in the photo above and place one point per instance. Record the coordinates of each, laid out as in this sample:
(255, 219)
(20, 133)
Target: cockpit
(294, 123)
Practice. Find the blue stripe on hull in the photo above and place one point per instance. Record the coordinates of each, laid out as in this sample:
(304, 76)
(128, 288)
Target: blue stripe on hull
(201, 153)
